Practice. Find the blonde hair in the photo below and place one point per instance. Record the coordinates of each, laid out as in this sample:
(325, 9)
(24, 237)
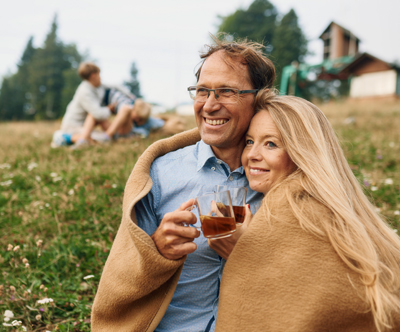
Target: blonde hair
(142, 109)
(365, 243)
(86, 69)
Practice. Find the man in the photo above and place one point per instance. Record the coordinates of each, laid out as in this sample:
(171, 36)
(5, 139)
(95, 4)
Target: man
(85, 111)
(170, 280)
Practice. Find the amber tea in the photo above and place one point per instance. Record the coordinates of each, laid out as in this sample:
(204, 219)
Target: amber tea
(217, 227)
(240, 213)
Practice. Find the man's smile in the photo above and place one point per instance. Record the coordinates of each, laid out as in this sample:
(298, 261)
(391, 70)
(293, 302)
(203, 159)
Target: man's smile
(215, 122)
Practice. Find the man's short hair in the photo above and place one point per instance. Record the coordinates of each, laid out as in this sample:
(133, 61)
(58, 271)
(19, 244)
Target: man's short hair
(261, 69)
(86, 69)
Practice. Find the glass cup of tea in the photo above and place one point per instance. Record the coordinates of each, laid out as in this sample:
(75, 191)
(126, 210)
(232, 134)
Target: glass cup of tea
(238, 198)
(216, 214)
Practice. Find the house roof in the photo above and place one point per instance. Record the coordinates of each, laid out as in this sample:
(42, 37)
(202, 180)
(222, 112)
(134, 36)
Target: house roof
(344, 29)
(359, 60)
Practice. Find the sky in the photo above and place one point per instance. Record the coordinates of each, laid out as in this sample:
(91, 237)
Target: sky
(164, 38)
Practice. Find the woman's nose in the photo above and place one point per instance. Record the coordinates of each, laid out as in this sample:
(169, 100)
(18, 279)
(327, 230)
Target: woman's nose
(254, 153)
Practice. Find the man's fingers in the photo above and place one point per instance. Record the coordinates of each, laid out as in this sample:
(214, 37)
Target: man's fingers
(184, 206)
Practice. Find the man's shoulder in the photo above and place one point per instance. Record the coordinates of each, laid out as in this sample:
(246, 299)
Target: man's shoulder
(178, 155)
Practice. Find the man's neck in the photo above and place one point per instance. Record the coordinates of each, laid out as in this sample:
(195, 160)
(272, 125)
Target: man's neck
(231, 156)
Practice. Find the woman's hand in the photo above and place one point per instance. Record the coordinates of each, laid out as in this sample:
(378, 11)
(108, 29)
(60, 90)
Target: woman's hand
(224, 246)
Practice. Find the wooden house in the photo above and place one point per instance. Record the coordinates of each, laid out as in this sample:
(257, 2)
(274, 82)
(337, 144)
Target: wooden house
(372, 77)
(338, 42)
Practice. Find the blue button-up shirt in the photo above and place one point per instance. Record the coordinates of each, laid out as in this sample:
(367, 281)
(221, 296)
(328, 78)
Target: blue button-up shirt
(177, 177)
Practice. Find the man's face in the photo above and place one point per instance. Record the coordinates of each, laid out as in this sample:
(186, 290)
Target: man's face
(224, 125)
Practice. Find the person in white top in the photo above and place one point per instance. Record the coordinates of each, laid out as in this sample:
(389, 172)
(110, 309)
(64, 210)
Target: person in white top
(85, 112)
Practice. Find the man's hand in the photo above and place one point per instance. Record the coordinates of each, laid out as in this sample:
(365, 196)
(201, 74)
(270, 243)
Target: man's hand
(172, 238)
(224, 246)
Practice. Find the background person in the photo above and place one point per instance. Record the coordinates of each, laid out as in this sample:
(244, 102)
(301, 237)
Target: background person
(316, 256)
(85, 112)
(161, 275)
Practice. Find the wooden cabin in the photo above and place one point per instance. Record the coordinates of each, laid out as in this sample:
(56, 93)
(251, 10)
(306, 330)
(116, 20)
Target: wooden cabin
(372, 77)
(338, 42)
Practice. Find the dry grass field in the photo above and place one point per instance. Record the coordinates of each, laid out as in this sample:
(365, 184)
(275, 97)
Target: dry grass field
(60, 209)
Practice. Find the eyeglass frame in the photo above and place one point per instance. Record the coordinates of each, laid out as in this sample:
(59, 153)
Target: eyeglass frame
(240, 92)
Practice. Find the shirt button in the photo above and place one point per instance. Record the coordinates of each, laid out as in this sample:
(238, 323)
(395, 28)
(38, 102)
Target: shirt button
(231, 178)
(219, 162)
(213, 168)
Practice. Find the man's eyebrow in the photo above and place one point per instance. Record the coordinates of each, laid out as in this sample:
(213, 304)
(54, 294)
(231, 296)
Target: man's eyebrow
(218, 85)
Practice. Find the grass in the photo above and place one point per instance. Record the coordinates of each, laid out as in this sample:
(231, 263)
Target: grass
(60, 209)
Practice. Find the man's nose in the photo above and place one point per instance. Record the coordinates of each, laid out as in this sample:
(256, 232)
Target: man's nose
(211, 103)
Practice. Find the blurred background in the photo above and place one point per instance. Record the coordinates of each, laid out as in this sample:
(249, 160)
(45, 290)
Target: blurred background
(318, 47)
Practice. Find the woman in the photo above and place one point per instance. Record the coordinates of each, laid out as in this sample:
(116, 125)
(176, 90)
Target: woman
(316, 256)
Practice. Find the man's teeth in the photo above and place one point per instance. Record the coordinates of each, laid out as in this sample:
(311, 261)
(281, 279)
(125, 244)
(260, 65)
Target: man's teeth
(216, 122)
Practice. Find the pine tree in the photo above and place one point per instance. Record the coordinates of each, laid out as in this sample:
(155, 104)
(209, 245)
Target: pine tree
(289, 42)
(257, 23)
(133, 84)
(45, 81)
(284, 40)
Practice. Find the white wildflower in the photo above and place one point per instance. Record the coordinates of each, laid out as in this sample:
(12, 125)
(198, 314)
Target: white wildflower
(396, 213)
(3, 166)
(391, 144)
(16, 323)
(55, 194)
(38, 178)
(5, 324)
(8, 314)
(6, 183)
(16, 248)
(56, 179)
(53, 174)
(114, 185)
(47, 205)
(23, 328)
(88, 277)
(395, 230)
(377, 210)
(31, 166)
(373, 188)
(71, 192)
(389, 181)
(45, 300)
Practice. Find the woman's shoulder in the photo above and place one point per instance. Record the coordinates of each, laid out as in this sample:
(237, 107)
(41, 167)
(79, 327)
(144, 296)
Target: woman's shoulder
(291, 197)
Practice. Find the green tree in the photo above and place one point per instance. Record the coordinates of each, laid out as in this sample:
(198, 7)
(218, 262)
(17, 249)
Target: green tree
(44, 82)
(289, 42)
(133, 84)
(283, 39)
(257, 23)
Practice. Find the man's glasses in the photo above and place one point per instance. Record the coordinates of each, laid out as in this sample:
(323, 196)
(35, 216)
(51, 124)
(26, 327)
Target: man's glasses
(222, 95)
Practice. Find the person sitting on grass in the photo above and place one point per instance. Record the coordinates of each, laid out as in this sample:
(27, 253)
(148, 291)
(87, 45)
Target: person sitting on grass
(85, 112)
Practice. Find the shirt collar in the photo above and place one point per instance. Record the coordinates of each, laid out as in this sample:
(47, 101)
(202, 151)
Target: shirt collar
(205, 153)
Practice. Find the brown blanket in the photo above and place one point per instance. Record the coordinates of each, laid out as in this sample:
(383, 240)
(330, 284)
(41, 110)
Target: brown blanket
(137, 283)
(282, 278)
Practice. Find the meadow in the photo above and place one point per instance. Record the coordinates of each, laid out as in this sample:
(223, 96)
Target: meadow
(60, 208)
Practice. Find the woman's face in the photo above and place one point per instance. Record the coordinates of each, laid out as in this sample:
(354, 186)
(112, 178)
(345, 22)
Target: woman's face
(264, 158)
